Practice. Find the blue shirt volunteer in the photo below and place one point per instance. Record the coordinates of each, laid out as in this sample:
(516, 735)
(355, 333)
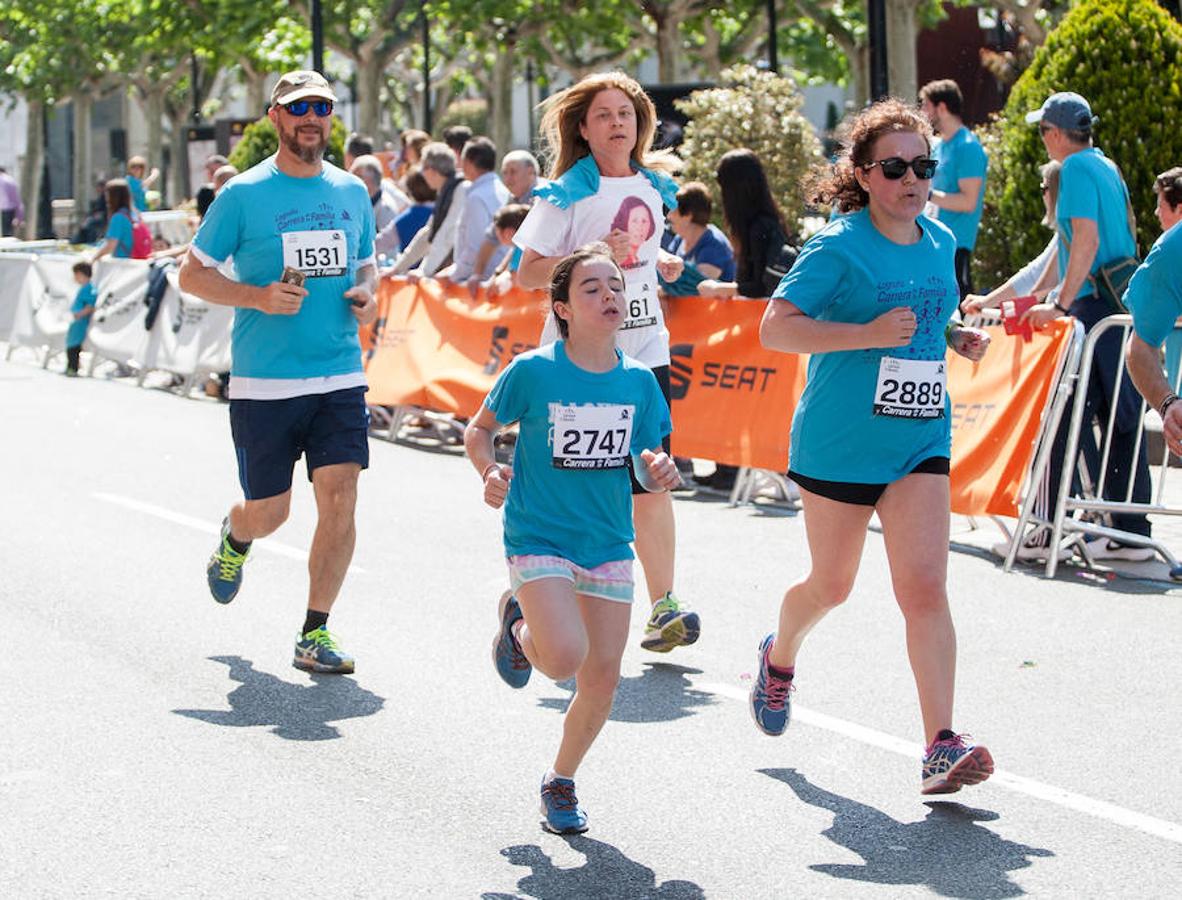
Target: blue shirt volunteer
(571, 495)
(960, 157)
(852, 425)
(1154, 294)
(323, 226)
(1090, 187)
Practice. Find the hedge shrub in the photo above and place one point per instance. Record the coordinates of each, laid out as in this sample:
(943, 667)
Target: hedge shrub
(1125, 57)
(259, 140)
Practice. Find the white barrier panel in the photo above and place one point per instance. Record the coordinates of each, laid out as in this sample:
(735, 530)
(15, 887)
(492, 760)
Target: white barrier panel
(190, 336)
(174, 225)
(117, 328)
(15, 268)
(43, 308)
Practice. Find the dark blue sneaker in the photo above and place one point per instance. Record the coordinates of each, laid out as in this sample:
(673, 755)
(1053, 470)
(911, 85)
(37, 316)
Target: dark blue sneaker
(317, 651)
(224, 571)
(954, 763)
(510, 662)
(771, 706)
(561, 809)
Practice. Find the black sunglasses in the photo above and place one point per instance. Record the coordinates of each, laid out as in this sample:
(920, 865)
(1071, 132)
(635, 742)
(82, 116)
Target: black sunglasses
(894, 167)
(299, 108)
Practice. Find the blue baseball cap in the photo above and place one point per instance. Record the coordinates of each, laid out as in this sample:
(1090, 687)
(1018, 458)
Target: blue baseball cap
(1065, 110)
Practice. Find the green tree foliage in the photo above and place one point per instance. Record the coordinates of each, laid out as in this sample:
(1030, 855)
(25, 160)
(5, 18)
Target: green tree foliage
(470, 112)
(759, 111)
(1125, 57)
(259, 140)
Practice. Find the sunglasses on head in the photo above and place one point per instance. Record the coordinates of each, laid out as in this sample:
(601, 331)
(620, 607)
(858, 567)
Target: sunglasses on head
(894, 167)
(299, 108)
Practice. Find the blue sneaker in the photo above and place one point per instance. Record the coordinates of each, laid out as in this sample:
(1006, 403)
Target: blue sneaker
(561, 808)
(317, 651)
(224, 572)
(510, 662)
(949, 765)
(670, 626)
(771, 707)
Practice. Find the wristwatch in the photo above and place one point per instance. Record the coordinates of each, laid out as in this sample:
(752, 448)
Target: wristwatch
(1061, 308)
(1166, 404)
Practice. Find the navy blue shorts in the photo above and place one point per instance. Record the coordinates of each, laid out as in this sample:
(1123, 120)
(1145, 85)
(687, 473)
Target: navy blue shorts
(270, 435)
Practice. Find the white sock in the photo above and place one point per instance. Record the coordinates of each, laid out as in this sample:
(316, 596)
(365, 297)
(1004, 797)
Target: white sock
(551, 775)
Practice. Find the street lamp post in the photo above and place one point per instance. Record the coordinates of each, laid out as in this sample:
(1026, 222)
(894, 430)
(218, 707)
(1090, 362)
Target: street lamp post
(426, 68)
(876, 25)
(317, 37)
(773, 50)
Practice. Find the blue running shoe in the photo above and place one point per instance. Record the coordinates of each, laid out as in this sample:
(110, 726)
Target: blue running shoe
(317, 651)
(670, 626)
(561, 808)
(949, 765)
(224, 571)
(771, 707)
(510, 662)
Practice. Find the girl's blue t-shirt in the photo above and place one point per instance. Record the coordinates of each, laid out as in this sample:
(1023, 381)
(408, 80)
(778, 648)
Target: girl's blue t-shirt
(139, 198)
(580, 514)
(850, 272)
(119, 230)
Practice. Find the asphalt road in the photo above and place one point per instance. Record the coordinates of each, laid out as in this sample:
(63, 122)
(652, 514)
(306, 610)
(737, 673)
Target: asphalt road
(158, 744)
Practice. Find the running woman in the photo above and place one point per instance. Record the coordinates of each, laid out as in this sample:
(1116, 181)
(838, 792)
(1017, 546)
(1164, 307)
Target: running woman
(604, 180)
(301, 234)
(870, 299)
(585, 410)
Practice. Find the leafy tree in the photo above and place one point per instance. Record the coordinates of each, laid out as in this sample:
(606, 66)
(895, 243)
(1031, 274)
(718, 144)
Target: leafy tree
(260, 140)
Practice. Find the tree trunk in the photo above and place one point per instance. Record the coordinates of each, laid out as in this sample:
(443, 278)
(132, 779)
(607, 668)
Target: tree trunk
(710, 53)
(860, 75)
(83, 105)
(902, 29)
(256, 90)
(501, 100)
(668, 48)
(31, 169)
(178, 173)
(369, 95)
(154, 113)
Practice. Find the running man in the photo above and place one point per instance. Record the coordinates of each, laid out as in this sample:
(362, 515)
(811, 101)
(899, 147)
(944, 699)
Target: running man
(301, 234)
(585, 410)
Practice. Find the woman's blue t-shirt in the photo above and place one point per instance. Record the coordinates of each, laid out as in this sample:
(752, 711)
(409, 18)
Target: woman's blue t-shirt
(850, 272)
(583, 515)
(119, 230)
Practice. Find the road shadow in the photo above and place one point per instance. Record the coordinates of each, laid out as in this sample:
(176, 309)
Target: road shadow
(295, 712)
(661, 693)
(948, 852)
(606, 875)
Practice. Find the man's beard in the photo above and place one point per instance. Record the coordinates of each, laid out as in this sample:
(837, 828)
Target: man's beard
(306, 153)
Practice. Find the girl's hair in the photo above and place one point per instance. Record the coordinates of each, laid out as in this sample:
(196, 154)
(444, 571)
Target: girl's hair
(624, 213)
(118, 195)
(746, 196)
(838, 184)
(1169, 185)
(564, 273)
(1050, 177)
(563, 113)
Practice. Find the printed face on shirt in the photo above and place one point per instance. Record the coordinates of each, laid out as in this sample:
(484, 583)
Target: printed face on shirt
(635, 219)
(609, 127)
(306, 136)
(902, 198)
(596, 301)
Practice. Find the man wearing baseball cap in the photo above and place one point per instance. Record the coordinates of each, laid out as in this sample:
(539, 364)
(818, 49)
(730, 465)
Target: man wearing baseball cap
(1094, 220)
(300, 232)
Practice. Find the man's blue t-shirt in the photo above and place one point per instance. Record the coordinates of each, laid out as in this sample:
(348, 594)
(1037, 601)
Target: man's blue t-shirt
(119, 230)
(961, 156)
(849, 272)
(263, 217)
(86, 296)
(1090, 187)
(581, 514)
(138, 198)
(712, 249)
(1154, 294)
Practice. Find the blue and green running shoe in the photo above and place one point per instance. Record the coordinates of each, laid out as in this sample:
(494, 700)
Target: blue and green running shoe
(670, 626)
(953, 763)
(510, 662)
(224, 571)
(561, 808)
(318, 651)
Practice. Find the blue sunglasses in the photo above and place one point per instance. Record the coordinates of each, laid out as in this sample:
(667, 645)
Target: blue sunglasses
(299, 108)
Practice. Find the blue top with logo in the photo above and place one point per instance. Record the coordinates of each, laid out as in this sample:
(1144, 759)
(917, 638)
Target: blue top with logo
(1154, 294)
(849, 272)
(571, 495)
(961, 156)
(119, 230)
(86, 296)
(1090, 187)
(322, 225)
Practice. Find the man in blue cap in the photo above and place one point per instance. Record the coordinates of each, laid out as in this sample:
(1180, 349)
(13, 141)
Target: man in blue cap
(1094, 219)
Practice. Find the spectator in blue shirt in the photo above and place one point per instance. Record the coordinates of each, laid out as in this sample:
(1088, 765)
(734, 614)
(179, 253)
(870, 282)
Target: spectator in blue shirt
(84, 303)
(422, 197)
(703, 246)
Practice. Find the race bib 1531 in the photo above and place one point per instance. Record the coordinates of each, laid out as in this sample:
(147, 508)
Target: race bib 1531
(316, 253)
(591, 437)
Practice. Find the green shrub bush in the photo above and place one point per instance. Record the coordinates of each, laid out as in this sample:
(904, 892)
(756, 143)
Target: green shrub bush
(760, 111)
(259, 141)
(1125, 57)
(469, 111)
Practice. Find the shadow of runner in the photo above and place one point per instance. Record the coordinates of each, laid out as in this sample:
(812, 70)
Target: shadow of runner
(607, 875)
(948, 852)
(661, 693)
(295, 712)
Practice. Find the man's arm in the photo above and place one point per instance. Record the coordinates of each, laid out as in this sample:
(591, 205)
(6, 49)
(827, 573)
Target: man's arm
(1085, 241)
(963, 200)
(1145, 369)
(278, 298)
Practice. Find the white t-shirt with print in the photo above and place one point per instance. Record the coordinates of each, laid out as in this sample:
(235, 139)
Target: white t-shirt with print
(633, 205)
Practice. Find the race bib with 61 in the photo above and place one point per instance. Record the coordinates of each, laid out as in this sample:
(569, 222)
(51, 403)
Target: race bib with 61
(641, 308)
(910, 388)
(591, 437)
(316, 253)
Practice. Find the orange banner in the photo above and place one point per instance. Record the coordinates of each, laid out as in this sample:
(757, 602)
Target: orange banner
(997, 407)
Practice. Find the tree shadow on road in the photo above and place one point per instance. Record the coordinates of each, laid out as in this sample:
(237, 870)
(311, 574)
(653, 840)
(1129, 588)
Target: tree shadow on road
(295, 712)
(661, 693)
(607, 875)
(948, 852)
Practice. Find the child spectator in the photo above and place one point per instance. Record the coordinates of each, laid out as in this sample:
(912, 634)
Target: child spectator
(83, 305)
(137, 183)
(506, 221)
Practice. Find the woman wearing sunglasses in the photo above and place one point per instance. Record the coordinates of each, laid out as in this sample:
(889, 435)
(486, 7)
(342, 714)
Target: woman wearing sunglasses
(870, 299)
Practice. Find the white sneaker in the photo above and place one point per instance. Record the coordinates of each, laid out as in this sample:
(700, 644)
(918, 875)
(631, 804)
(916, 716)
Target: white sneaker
(1106, 548)
(1033, 549)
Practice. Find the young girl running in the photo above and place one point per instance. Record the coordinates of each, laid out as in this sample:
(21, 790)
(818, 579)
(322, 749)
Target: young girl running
(584, 410)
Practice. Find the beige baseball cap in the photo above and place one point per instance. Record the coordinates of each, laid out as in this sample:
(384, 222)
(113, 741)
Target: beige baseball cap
(301, 84)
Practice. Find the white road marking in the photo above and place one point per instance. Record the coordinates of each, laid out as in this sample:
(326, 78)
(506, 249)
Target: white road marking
(1170, 831)
(269, 544)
